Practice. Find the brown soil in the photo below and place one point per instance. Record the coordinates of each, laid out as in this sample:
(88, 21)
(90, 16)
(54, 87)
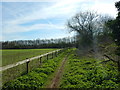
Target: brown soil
(56, 80)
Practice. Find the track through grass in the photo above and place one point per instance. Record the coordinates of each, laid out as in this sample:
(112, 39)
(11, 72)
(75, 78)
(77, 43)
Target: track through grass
(37, 78)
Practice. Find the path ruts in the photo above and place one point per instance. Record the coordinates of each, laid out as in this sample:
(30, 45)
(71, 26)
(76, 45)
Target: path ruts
(56, 80)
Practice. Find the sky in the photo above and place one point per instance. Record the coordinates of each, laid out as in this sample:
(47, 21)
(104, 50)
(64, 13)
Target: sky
(45, 19)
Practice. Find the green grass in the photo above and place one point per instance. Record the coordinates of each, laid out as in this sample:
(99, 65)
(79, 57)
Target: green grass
(80, 72)
(11, 56)
(37, 78)
(89, 73)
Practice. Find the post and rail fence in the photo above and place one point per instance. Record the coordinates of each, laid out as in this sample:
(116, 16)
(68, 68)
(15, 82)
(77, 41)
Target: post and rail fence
(27, 60)
(15, 70)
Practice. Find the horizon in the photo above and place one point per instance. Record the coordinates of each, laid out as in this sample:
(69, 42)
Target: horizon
(37, 39)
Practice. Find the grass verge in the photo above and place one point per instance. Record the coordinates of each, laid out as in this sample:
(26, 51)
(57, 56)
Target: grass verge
(89, 73)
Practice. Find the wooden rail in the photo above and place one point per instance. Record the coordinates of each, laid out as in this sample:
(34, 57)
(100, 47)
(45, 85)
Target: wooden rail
(28, 60)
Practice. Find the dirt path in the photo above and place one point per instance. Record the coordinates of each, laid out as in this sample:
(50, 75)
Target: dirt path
(56, 80)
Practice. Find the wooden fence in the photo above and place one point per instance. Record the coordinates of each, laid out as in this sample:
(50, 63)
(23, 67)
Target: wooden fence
(27, 60)
(12, 71)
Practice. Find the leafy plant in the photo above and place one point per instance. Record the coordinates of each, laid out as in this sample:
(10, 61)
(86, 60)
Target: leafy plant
(89, 73)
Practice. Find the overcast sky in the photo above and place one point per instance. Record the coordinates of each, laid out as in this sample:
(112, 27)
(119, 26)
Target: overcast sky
(45, 19)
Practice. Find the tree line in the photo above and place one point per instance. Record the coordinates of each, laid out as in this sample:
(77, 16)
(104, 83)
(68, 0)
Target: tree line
(40, 43)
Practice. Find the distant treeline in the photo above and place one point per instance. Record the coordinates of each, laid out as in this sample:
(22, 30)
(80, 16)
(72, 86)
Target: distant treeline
(39, 43)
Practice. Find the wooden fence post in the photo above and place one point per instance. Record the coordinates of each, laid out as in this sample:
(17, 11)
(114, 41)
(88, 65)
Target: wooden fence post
(52, 55)
(56, 53)
(27, 66)
(40, 60)
(47, 56)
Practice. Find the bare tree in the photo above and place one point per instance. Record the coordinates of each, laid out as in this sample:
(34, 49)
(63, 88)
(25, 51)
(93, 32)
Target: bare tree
(86, 24)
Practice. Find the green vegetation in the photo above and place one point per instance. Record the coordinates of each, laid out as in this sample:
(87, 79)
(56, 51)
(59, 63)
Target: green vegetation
(10, 56)
(95, 34)
(87, 72)
(36, 78)
(114, 25)
(80, 72)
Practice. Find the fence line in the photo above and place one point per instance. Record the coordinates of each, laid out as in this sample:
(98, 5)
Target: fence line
(27, 60)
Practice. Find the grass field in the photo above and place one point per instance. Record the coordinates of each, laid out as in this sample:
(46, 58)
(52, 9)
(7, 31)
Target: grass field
(11, 56)
(38, 78)
(80, 72)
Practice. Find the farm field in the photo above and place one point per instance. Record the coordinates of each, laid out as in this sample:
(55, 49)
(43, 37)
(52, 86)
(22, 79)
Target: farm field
(10, 56)
(39, 77)
(79, 72)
